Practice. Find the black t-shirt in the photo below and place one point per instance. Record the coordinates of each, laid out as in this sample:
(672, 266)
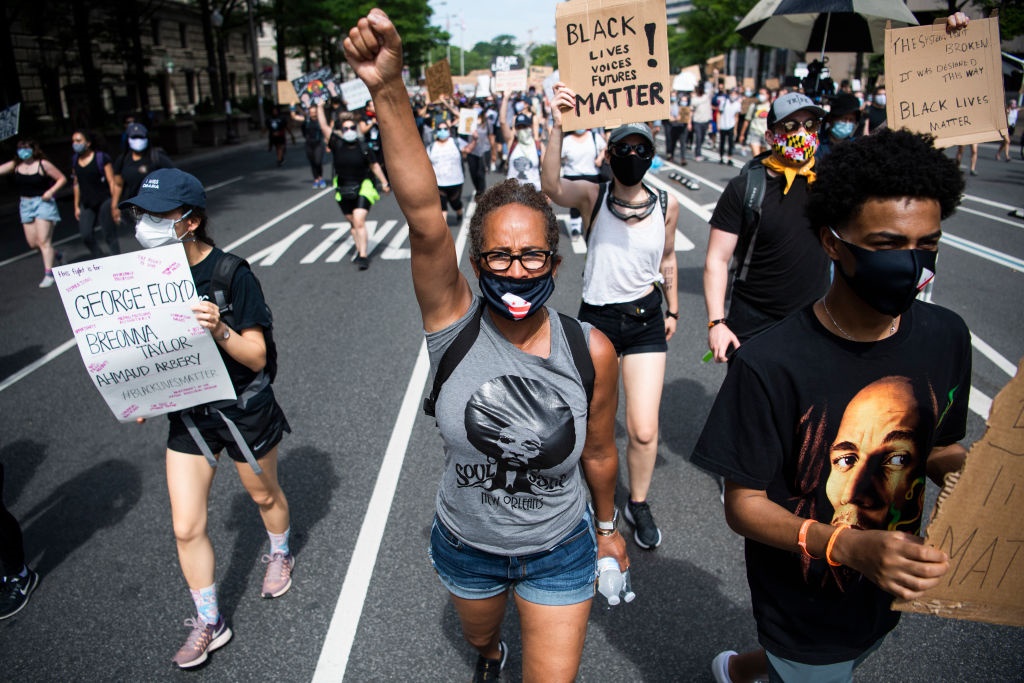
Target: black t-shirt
(875, 117)
(91, 180)
(277, 126)
(837, 431)
(788, 268)
(133, 172)
(352, 161)
(373, 134)
(311, 131)
(248, 306)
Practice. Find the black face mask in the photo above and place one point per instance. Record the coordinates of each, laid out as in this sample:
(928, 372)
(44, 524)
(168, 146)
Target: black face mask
(515, 298)
(888, 280)
(630, 169)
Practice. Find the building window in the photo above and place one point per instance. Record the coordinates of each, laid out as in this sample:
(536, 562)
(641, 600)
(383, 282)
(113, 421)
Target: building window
(155, 27)
(190, 86)
(183, 34)
(245, 43)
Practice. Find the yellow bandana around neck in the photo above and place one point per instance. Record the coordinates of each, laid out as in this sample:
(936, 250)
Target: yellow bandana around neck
(790, 172)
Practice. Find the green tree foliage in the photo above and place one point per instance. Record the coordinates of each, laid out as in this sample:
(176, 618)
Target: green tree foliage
(544, 55)
(710, 29)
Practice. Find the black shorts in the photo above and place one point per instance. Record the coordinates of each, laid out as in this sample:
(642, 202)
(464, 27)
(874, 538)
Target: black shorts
(262, 426)
(348, 205)
(633, 327)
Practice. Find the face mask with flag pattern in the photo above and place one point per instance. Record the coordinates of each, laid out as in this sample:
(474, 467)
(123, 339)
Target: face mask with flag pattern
(798, 146)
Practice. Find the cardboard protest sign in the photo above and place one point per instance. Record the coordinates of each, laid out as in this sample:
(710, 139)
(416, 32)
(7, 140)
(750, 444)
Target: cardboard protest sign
(614, 55)
(439, 80)
(139, 339)
(286, 93)
(9, 121)
(978, 524)
(355, 93)
(467, 121)
(948, 85)
(510, 81)
(771, 83)
(715, 63)
(312, 88)
(730, 82)
(749, 84)
(537, 75)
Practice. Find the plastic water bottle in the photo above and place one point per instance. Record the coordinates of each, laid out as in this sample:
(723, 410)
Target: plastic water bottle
(612, 583)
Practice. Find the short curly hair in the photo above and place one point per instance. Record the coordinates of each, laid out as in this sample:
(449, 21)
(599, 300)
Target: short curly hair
(511, 192)
(886, 164)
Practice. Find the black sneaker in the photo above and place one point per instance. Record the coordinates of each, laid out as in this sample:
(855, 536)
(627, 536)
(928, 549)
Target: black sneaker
(490, 669)
(645, 531)
(15, 592)
(363, 262)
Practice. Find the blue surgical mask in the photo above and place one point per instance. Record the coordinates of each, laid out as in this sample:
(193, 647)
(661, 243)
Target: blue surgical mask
(443, 134)
(78, 147)
(842, 129)
(24, 153)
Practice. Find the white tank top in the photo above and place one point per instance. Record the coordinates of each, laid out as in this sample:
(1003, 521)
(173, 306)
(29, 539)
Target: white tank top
(446, 158)
(524, 165)
(623, 259)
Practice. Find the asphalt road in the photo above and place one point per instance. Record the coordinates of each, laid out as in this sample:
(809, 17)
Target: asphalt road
(361, 467)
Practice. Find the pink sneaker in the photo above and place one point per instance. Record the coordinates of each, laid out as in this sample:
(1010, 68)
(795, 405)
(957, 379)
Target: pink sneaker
(204, 639)
(278, 578)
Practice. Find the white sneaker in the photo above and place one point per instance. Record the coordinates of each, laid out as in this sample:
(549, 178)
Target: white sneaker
(575, 227)
(720, 666)
(46, 281)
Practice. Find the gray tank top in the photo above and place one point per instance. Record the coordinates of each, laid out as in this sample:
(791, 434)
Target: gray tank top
(513, 427)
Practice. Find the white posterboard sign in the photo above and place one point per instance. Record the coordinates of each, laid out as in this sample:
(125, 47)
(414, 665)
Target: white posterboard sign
(139, 339)
(467, 120)
(355, 93)
(9, 121)
(483, 86)
(510, 81)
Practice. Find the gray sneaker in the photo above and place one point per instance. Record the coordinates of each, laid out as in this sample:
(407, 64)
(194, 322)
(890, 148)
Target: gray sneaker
(645, 532)
(204, 639)
(278, 577)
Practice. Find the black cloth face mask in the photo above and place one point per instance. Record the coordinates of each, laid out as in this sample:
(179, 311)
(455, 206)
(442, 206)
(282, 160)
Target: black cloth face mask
(888, 280)
(630, 169)
(515, 298)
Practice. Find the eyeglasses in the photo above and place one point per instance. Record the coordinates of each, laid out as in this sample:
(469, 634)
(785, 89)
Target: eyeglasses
(500, 261)
(157, 221)
(136, 137)
(348, 128)
(644, 150)
(810, 125)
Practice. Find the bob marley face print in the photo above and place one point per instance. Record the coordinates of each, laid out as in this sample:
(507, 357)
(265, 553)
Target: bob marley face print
(524, 428)
(876, 474)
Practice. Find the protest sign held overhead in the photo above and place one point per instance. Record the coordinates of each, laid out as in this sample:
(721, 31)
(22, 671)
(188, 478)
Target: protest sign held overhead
(946, 84)
(286, 93)
(139, 339)
(355, 93)
(614, 55)
(9, 121)
(977, 523)
(315, 87)
(467, 120)
(538, 74)
(439, 80)
(513, 80)
(506, 63)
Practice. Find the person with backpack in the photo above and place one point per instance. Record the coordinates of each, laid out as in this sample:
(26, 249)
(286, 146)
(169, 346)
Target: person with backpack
(527, 414)
(92, 176)
(171, 207)
(355, 166)
(130, 168)
(446, 154)
(630, 272)
(582, 157)
(759, 225)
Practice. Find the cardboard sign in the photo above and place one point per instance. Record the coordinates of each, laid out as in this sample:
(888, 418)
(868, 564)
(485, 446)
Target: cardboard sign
(978, 523)
(730, 82)
(537, 75)
(355, 93)
(771, 83)
(467, 121)
(948, 85)
(439, 80)
(9, 121)
(614, 55)
(139, 339)
(286, 93)
(315, 87)
(510, 81)
(715, 63)
(749, 84)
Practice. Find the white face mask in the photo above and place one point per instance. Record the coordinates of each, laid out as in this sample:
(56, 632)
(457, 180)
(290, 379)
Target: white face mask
(138, 144)
(151, 231)
(349, 136)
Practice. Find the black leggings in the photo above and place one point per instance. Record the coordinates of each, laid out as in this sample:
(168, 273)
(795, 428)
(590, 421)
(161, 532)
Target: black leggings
(723, 137)
(315, 155)
(12, 547)
(453, 194)
(478, 172)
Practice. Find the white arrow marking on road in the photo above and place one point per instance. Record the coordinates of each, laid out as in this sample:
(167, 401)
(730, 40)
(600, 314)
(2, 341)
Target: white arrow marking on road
(394, 251)
(979, 403)
(345, 621)
(373, 237)
(1001, 361)
(337, 230)
(271, 254)
(998, 219)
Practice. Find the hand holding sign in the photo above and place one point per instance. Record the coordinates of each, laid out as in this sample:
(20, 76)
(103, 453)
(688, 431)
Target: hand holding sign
(564, 101)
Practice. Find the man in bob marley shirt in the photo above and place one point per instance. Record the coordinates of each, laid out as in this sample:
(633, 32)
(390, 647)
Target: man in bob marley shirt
(778, 265)
(828, 422)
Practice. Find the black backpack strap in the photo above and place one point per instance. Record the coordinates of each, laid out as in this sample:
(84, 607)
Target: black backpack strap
(580, 352)
(753, 195)
(452, 356)
(220, 282)
(602, 190)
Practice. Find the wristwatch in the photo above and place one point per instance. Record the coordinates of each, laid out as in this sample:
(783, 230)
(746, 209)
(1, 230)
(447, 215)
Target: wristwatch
(227, 333)
(608, 526)
(670, 314)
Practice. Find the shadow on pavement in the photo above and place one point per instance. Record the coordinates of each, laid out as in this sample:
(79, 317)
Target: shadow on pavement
(21, 459)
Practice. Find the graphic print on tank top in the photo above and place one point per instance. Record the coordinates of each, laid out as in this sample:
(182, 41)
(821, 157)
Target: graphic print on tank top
(524, 428)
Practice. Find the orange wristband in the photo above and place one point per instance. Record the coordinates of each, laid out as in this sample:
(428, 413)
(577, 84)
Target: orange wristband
(801, 539)
(840, 528)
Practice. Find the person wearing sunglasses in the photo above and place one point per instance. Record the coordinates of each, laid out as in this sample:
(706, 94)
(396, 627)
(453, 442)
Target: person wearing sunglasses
(523, 445)
(355, 166)
(630, 272)
(779, 266)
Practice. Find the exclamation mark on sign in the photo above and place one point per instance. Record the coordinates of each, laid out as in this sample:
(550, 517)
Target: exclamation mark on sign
(649, 30)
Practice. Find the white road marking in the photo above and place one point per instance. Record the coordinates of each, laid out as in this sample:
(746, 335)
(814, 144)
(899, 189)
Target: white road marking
(998, 219)
(394, 250)
(217, 186)
(1001, 361)
(979, 403)
(35, 365)
(989, 202)
(270, 255)
(275, 220)
(337, 230)
(347, 612)
(984, 252)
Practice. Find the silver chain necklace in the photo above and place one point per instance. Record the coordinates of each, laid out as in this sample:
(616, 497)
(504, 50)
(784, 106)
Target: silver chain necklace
(824, 302)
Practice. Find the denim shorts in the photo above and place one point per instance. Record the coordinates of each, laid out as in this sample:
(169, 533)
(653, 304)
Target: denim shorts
(562, 575)
(787, 671)
(36, 207)
(633, 327)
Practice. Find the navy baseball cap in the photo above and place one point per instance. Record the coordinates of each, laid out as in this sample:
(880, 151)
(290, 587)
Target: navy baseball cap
(628, 129)
(791, 103)
(137, 130)
(166, 189)
(523, 121)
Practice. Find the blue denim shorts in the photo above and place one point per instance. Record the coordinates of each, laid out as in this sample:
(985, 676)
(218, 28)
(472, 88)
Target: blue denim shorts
(36, 207)
(562, 575)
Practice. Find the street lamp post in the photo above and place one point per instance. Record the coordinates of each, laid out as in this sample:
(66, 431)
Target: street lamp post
(256, 76)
